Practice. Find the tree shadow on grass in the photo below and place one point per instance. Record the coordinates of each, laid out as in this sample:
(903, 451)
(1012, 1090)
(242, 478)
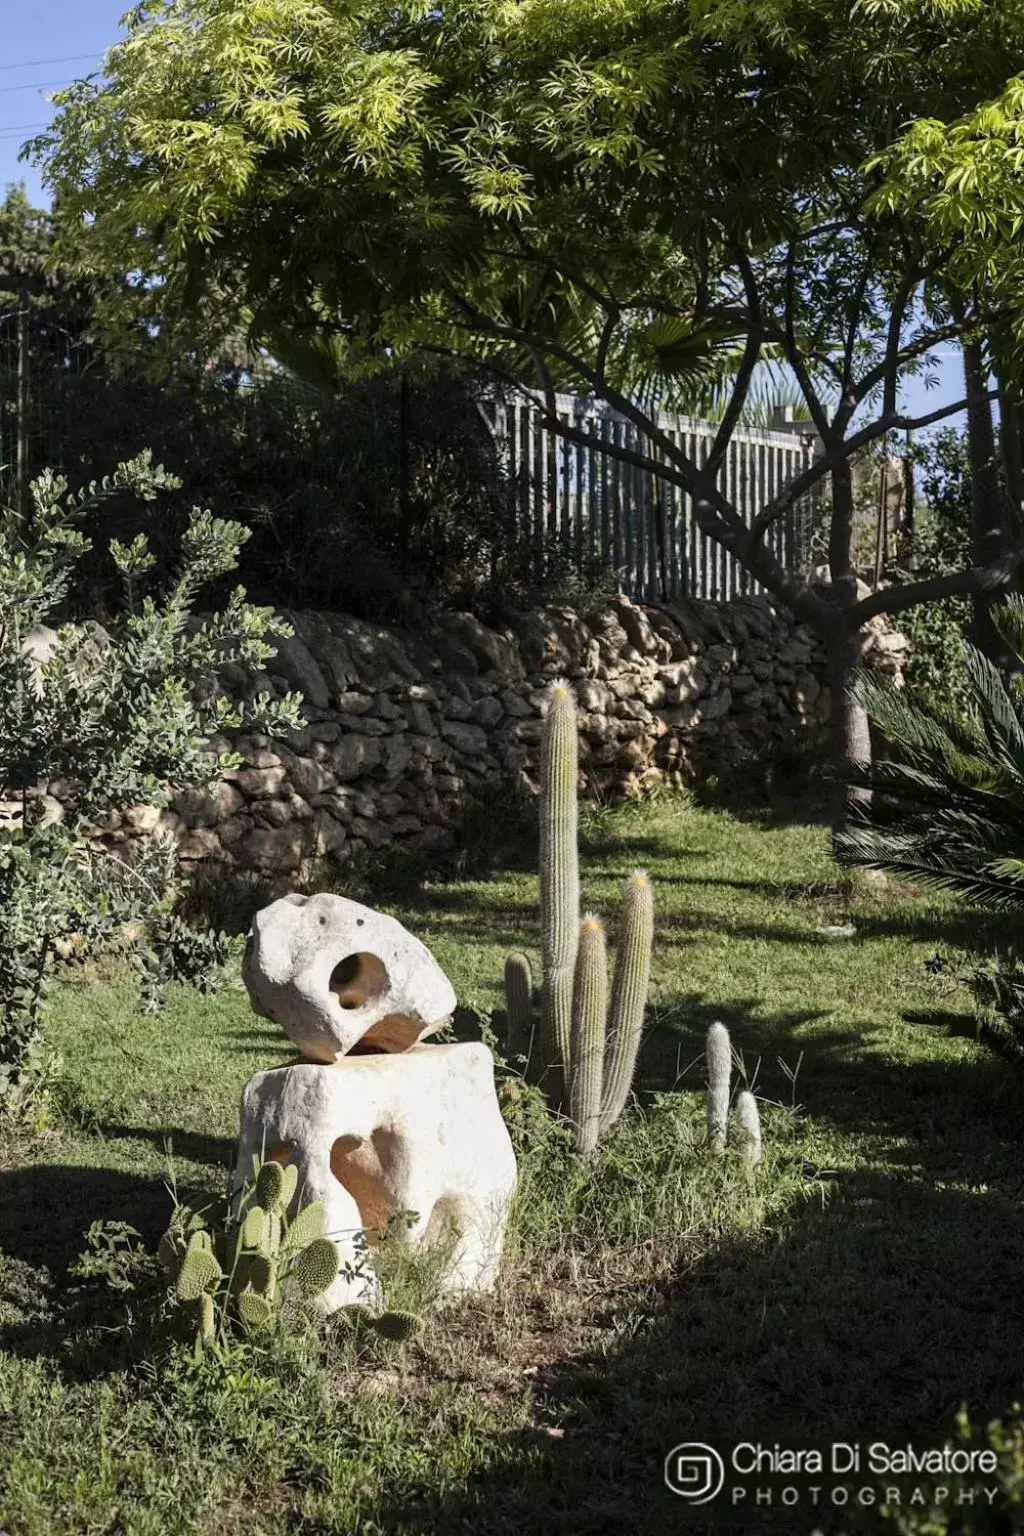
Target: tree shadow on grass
(193, 1146)
(869, 1312)
(46, 1211)
(872, 1317)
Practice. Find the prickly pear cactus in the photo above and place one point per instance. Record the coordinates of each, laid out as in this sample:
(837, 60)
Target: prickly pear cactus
(243, 1271)
(316, 1267)
(255, 1310)
(304, 1227)
(398, 1326)
(199, 1272)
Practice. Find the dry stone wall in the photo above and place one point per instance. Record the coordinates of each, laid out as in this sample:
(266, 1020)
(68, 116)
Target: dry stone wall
(402, 728)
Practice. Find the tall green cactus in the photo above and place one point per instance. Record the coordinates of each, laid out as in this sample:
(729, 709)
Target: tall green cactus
(586, 1055)
(719, 1058)
(559, 878)
(629, 995)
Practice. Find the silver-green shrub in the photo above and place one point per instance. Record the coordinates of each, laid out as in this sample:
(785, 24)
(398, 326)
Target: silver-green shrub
(120, 716)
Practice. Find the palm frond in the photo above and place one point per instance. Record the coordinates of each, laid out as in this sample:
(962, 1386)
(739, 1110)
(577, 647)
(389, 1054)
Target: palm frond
(947, 805)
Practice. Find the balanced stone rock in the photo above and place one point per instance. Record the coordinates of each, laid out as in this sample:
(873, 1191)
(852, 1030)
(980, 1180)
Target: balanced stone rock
(338, 976)
(419, 1133)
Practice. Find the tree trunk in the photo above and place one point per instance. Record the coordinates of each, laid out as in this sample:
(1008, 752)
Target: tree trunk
(988, 506)
(851, 733)
(24, 501)
(1013, 453)
(851, 736)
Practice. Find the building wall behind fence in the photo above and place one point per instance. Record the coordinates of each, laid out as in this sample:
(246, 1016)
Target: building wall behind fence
(617, 513)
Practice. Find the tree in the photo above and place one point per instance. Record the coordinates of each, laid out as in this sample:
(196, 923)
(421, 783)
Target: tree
(619, 199)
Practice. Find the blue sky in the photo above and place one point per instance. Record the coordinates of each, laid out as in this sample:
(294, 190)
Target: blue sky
(46, 43)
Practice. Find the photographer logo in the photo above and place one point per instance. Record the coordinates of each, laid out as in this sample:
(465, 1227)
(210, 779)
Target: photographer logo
(695, 1472)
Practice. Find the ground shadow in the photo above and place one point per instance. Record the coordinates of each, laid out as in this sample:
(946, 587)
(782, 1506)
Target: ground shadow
(864, 1321)
(870, 1311)
(193, 1146)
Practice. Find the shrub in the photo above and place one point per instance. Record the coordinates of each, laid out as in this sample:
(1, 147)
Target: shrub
(969, 1504)
(119, 716)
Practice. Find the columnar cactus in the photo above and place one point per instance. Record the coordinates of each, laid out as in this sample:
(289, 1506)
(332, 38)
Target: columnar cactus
(749, 1121)
(629, 995)
(587, 1054)
(589, 1013)
(519, 1004)
(559, 876)
(719, 1058)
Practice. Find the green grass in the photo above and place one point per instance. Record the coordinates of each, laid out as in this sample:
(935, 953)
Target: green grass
(866, 1286)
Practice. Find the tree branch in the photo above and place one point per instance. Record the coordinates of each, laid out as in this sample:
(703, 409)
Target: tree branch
(835, 455)
(741, 386)
(979, 578)
(793, 354)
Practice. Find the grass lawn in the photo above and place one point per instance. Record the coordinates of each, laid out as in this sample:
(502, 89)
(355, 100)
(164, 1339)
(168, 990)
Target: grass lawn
(867, 1285)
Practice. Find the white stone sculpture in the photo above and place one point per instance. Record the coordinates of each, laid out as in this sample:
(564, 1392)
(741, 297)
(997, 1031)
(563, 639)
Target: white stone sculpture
(418, 1133)
(377, 1122)
(337, 975)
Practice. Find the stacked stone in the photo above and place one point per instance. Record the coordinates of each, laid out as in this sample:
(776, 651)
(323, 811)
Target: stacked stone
(400, 729)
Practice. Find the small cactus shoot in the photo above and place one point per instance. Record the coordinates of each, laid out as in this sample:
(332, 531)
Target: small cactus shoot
(748, 1119)
(519, 1004)
(207, 1317)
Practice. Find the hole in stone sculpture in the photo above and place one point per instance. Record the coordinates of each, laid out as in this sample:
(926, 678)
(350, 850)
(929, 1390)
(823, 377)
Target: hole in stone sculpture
(358, 979)
(279, 1152)
(356, 1164)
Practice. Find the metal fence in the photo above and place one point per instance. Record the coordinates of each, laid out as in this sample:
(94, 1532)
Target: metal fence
(573, 494)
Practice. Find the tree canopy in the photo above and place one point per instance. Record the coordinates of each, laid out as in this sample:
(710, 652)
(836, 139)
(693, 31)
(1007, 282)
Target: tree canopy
(617, 197)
